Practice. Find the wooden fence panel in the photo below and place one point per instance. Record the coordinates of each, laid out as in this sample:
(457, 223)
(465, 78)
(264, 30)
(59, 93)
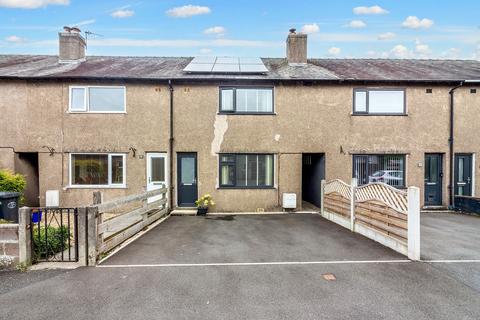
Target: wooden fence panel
(377, 211)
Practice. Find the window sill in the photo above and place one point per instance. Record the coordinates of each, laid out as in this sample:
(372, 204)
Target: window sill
(96, 187)
(96, 112)
(380, 114)
(248, 113)
(245, 188)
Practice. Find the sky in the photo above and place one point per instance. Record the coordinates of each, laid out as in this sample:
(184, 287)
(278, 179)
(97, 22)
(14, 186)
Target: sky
(423, 29)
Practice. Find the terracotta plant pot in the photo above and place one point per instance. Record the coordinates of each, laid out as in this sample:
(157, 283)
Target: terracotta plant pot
(202, 211)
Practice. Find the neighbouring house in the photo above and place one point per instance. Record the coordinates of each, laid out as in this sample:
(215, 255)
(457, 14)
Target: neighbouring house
(245, 130)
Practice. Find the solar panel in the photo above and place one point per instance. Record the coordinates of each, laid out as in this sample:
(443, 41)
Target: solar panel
(199, 67)
(229, 60)
(204, 60)
(225, 65)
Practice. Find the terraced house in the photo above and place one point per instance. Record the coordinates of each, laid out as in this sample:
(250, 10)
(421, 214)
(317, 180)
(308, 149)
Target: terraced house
(245, 130)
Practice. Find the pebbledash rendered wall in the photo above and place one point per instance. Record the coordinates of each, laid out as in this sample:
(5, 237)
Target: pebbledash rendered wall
(307, 119)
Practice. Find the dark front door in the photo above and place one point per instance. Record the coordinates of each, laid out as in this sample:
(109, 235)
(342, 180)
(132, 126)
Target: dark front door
(433, 179)
(463, 174)
(187, 179)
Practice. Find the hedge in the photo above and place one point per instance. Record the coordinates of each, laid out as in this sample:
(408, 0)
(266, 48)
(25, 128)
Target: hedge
(52, 243)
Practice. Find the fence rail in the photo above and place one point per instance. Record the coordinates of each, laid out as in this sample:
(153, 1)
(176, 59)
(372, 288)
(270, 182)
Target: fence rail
(120, 219)
(376, 210)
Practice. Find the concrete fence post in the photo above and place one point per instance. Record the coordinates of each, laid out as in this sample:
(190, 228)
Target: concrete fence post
(322, 196)
(24, 236)
(82, 236)
(91, 213)
(353, 186)
(413, 223)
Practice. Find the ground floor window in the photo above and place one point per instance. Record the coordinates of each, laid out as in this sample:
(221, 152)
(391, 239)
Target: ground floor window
(246, 170)
(387, 168)
(95, 169)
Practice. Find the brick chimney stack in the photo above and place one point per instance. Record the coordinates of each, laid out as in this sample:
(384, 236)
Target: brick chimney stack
(71, 45)
(296, 48)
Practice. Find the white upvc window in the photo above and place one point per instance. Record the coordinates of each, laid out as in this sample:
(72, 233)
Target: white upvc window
(98, 170)
(97, 99)
(381, 101)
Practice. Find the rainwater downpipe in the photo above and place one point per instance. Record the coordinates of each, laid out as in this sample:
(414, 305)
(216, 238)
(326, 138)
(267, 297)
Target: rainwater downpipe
(451, 189)
(170, 146)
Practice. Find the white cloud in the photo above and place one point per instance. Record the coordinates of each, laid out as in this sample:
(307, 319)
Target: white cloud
(452, 53)
(122, 13)
(400, 52)
(217, 30)
(310, 28)
(369, 10)
(422, 50)
(188, 11)
(206, 51)
(128, 42)
(356, 24)
(476, 54)
(386, 36)
(83, 23)
(334, 51)
(413, 22)
(31, 4)
(15, 39)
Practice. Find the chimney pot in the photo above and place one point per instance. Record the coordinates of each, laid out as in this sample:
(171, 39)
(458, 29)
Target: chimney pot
(296, 48)
(71, 45)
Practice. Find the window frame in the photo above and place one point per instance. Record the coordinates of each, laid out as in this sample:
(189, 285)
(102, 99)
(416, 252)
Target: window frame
(234, 111)
(367, 107)
(235, 185)
(87, 98)
(403, 155)
(110, 185)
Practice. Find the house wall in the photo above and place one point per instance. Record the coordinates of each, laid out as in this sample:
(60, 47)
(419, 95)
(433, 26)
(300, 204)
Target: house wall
(39, 118)
(318, 119)
(308, 119)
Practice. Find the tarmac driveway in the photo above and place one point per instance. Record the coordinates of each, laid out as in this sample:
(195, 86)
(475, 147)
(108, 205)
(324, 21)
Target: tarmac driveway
(447, 236)
(191, 268)
(249, 239)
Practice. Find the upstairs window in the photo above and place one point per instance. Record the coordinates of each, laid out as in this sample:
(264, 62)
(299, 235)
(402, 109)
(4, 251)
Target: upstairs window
(379, 101)
(246, 100)
(97, 99)
(246, 170)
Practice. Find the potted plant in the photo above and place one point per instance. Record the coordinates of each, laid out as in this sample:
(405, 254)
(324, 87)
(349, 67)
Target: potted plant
(203, 203)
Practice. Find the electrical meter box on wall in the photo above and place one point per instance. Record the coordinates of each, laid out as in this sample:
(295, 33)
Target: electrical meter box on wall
(289, 201)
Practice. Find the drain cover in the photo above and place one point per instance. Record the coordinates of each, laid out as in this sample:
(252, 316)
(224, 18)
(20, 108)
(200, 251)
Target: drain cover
(329, 277)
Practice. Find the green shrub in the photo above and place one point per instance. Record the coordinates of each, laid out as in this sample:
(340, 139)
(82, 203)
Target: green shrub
(50, 242)
(12, 182)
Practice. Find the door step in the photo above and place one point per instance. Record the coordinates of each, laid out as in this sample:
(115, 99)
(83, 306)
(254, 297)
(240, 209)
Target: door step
(184, 212)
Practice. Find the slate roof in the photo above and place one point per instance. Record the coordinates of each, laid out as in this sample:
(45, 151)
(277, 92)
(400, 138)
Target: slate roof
(163, 68)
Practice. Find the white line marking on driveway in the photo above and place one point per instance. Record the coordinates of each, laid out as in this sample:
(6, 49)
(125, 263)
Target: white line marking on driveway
(452, 261)
(249, 263)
